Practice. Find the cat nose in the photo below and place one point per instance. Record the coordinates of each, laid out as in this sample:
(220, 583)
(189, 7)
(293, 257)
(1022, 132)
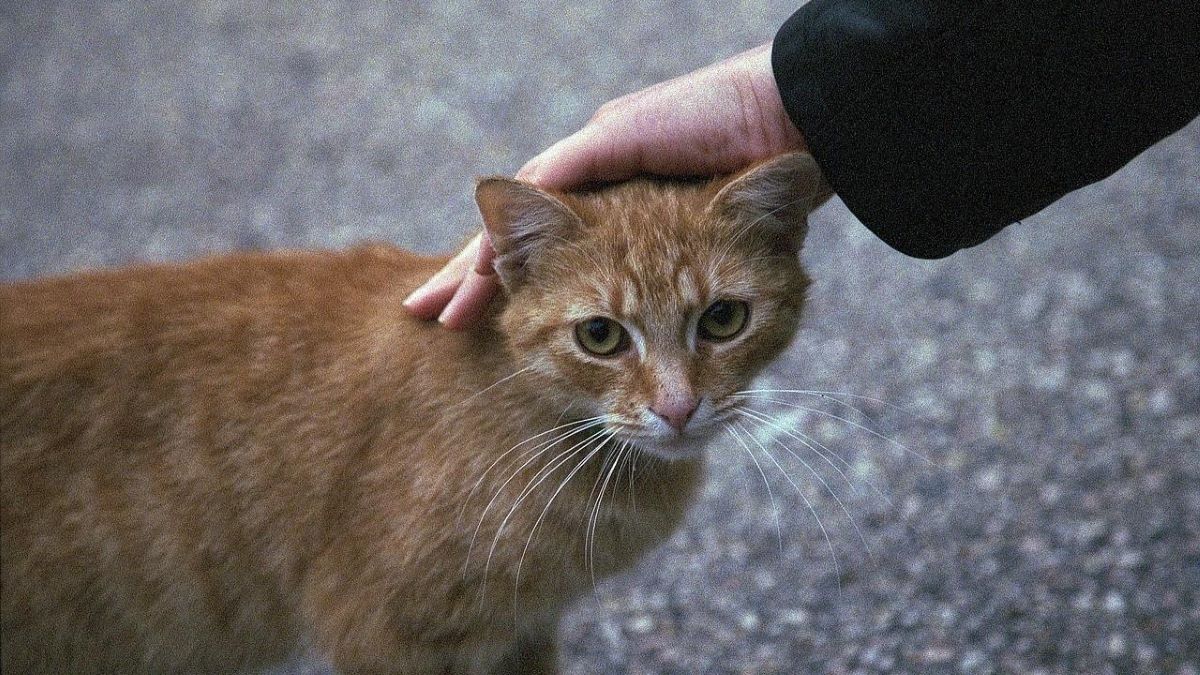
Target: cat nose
(676, 411)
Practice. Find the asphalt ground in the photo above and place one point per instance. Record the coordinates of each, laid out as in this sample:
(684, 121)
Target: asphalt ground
(1019, 490)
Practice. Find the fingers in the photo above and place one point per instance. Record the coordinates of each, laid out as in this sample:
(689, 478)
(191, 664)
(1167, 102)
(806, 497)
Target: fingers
(486, 255)
(478, 286)
(600, 151)
(470, 301)
(460, 292)
(428, 301)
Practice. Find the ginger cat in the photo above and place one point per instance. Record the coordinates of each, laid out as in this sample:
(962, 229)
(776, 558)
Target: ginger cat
(208, 466)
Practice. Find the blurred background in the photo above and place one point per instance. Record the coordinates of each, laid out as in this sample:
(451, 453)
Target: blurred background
(1019, 487)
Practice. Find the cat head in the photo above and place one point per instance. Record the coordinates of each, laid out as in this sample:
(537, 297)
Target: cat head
(651, 303)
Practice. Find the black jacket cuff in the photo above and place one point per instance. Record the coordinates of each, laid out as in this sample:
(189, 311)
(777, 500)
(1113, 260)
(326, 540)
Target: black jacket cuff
(939, 123)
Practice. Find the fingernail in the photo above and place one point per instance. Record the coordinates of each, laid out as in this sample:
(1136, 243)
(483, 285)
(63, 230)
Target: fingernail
(483, 269)
(415, 297)
(445, 319)
(447, 313)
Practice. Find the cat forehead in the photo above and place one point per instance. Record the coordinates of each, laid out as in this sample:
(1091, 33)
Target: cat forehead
(643, 213)
(650, 249)
(665, 283)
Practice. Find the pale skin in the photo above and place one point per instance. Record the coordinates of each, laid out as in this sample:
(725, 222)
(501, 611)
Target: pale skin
(715, 120)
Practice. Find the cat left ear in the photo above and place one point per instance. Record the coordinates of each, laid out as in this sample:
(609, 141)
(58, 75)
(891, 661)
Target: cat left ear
(775, 197)
(520, 219)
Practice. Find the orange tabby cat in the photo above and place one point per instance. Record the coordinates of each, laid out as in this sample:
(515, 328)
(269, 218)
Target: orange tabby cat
(207, 466)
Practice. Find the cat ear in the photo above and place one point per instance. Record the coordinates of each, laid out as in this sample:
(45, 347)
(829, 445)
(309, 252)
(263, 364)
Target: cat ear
(520, 219)
(774, 197)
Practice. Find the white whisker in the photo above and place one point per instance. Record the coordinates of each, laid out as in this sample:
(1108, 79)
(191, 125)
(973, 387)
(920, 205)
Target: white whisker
(826, 413)
(833, 396)
(544, 473)
(770, 493)
(808, 442)
(608, 458)
(571, 474)
(492, 385)
(821, 480)
(563, 414)
(596, 517)
(828, 542)
(532, 454)
(576, 424)
(633, 453)
(529, 456)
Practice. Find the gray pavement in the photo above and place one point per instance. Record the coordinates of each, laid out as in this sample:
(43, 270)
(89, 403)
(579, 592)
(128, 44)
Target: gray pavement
(1032, 501)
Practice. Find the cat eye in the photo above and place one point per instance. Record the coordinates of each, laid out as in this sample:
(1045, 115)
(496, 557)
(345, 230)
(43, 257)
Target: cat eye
(601, 336)
(723, 319)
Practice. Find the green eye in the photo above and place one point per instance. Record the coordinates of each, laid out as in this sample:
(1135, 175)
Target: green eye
(723, 319)
(601, 336)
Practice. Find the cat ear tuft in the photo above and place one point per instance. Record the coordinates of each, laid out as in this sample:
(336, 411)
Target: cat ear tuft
(520, 220)
(775, 197)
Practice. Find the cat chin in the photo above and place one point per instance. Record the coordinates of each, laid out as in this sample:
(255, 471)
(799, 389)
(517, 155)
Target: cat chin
(673, 449)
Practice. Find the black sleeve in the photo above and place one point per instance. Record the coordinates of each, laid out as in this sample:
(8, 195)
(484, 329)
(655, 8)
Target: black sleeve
(940, 122)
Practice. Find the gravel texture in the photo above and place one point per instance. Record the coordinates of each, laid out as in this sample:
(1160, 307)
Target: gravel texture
(1028, 497)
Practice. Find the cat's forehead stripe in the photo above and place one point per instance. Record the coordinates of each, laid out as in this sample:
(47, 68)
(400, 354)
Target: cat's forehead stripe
(617, 297)
(687, 281)
(631, 298)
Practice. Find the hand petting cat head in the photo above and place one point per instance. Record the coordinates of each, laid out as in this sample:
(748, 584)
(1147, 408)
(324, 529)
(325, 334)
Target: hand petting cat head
(648, 303)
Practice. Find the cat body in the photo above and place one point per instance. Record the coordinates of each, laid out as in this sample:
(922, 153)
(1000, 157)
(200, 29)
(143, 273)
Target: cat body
(209, 466)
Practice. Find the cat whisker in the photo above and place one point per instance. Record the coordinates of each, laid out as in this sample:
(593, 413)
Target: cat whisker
(820, 479)
(625, 427)
(824, 532)
(813, 445)
(608, 458)
(633, 453)
(536, 451)
(590, 531)
(623, 454)
(856, 425)
(835, 396)
(767, 483)
(577, 425)
(563, 414)
(492, 385)
(538, 478)
(571, 474)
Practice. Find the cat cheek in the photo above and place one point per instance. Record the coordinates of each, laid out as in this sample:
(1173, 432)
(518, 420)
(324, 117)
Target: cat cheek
(591, 379)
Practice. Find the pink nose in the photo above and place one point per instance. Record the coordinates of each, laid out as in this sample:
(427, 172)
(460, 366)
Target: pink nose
(675, 411)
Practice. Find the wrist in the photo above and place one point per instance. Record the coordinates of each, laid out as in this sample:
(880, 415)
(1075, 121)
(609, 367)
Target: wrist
(780, 133)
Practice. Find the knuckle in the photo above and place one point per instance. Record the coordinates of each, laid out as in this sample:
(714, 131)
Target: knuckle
(607, 110)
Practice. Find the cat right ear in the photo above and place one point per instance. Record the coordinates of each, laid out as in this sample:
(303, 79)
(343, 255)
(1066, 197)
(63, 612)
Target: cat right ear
(520, 220)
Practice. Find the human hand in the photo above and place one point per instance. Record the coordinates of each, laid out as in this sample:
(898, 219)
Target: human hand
(460, 292)
(715, 120)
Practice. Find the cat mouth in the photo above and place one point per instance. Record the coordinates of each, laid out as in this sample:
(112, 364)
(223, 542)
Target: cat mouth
(687, 445)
